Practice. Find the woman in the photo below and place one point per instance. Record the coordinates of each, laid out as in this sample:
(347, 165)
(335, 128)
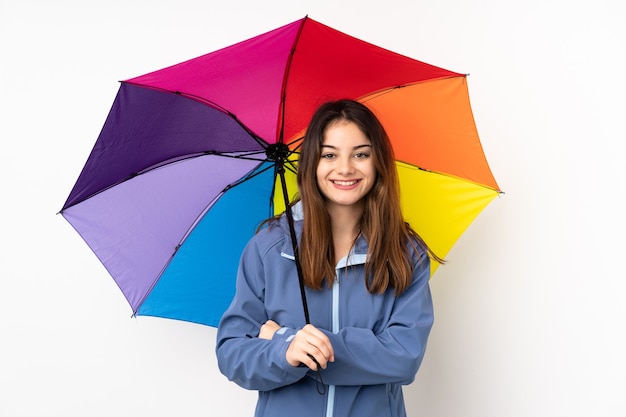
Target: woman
(366, 274)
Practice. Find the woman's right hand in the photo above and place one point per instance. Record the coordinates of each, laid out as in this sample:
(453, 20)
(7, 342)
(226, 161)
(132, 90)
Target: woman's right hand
(310, 342)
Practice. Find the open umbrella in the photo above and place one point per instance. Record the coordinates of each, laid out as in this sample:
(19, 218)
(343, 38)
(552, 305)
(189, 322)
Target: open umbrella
(193, 157)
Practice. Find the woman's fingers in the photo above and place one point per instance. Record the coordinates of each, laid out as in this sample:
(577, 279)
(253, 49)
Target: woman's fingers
(310, 347)
(318, 339)
(268, 329)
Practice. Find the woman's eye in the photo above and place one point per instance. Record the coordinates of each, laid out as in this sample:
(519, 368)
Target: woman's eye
(361, 155)
(327, 155)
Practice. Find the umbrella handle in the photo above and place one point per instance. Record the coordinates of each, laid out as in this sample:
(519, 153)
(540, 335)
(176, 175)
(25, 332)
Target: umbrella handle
(294, 242)
(319, 382)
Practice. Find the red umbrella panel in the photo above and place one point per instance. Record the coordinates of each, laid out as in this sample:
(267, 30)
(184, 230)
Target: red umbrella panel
(186, 166)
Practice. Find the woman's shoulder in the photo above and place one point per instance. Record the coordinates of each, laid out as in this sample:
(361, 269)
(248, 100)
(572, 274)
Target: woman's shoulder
(418, 251)
(271, 235)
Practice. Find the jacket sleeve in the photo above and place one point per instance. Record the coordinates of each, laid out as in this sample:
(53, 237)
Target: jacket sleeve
(394, 353)
(253, 363)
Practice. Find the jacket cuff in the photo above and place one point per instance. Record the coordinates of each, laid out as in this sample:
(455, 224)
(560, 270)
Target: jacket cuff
(284, 334)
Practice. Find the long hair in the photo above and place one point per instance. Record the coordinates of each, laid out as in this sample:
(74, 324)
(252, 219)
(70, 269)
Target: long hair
(390, 238)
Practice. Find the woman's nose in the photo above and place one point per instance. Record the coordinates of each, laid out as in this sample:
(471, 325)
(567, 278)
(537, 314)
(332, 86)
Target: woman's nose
(345, 166)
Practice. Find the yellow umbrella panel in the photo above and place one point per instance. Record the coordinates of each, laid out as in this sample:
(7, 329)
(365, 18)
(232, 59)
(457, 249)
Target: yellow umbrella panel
(440, 207)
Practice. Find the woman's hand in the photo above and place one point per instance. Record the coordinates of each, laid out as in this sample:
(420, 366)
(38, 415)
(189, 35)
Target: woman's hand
(309, 343)
(268, 329)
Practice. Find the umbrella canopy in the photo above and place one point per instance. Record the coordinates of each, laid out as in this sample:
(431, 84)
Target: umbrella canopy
(185, 167)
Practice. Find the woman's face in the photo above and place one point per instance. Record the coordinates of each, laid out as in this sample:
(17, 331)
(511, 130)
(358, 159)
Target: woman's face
(345, 172)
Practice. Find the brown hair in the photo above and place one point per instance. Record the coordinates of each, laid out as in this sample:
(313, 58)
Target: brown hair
(389, 237)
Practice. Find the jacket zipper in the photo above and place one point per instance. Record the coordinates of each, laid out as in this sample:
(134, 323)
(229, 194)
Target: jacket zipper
(330, 401)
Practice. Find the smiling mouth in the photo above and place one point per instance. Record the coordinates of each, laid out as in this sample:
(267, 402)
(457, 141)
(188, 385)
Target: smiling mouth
(345, 183)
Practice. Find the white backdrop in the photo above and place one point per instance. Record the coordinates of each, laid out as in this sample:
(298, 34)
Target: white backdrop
(529, 310)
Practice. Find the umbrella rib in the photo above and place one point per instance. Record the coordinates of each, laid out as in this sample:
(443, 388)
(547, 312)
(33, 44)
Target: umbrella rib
(387, 90)
(249, 176)
(291, 166)
(283, 99)
(297, 140)
(248, 155)
(231, 154)
(255, 173)
(410, 165)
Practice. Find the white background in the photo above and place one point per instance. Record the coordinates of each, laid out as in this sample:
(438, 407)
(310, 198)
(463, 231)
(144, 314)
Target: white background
(530, 309)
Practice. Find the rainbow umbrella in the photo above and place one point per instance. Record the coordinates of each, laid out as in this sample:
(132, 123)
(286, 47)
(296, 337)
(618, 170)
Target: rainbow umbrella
(193, 157)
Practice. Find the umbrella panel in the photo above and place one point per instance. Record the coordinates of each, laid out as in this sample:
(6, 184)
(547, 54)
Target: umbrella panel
(440, 207)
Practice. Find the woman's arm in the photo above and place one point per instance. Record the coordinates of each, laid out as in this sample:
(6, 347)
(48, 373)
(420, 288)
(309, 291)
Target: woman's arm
(392, 355)
(243, 357)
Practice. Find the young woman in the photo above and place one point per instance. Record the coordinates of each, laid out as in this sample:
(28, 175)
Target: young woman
(366, 274)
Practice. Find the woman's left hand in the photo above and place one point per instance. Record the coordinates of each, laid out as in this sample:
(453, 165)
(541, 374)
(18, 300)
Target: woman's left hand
(268, 329)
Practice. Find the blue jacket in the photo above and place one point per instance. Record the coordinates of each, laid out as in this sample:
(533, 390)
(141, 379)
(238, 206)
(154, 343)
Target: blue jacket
(379, 340)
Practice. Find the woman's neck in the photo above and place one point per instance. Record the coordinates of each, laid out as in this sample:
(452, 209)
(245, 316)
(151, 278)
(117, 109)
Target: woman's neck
(345, 225)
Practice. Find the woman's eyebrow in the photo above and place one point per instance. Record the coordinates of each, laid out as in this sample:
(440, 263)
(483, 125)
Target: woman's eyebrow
(365, 145)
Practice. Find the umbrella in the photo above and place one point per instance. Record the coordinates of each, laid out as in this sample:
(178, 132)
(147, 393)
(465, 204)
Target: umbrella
(193, 157)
